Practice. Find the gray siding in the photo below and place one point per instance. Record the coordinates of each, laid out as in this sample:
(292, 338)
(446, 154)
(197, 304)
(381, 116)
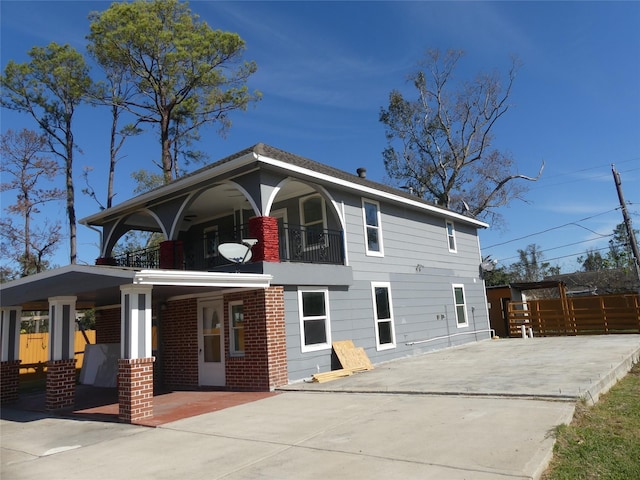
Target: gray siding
(420, 270)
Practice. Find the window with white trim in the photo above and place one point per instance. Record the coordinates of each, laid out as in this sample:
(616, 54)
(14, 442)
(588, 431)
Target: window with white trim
(236, 328)
(383, 315)
(460, 305)
(211, 242)
(372, 228)
(313, 221)
(315, 325)
(451, 236)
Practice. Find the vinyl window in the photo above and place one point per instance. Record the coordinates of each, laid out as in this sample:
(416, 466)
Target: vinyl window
(383, 315)
(460, 305)
(313, 220)
(451, 236)
(372, 228)
(236, 330)
(315, 328)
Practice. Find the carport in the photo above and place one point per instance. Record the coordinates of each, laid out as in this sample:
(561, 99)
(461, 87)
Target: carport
(77, 287)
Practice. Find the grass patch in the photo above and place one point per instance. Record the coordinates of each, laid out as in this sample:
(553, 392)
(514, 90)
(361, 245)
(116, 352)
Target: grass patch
(603, 441)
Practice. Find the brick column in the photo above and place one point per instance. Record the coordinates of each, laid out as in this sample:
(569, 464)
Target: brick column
(9, 354)
(265, 230)
(135, 367)
(276, 337)
(61, 384)
(61, 367)
(135, 389)
(171, 255)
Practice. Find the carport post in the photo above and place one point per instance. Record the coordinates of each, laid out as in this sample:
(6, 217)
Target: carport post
(61, 367)
(9, 353)
(135, 366)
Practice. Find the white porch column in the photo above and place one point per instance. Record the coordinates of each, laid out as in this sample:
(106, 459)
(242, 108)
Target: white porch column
(9, 354)
(135, 367)
(61, 367)
(62, 327)
(135, 324)
(10, 333)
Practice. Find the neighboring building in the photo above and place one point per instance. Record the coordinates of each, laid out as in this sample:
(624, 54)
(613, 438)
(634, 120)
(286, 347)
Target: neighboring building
(337, 257)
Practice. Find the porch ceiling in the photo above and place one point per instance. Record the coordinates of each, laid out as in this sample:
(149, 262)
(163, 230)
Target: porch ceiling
(96, 286)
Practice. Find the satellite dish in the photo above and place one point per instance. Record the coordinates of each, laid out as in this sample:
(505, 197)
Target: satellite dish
(488, 265)
(235, 252)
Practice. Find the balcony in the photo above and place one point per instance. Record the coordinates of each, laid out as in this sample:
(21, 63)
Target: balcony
(297, 244)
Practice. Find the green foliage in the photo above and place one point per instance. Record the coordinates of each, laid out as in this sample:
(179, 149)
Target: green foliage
(498, 276)
(603, 441)
(531, 267)
(184, 73)
(619, 255)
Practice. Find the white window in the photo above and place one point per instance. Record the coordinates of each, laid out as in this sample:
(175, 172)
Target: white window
(383, 314)
(315, 327)
(236, 330)
(211, 242)
(451, 236)
(313, 220)
(372, 228)
(461, 308)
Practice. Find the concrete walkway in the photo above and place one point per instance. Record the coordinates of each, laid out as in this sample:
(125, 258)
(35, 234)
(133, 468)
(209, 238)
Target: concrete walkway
(482, 411)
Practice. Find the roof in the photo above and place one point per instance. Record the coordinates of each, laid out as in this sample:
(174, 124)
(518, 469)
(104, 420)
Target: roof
(266, 154)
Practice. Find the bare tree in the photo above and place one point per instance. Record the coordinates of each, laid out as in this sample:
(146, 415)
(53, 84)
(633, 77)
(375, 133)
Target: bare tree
(25, 170)
(440, 144)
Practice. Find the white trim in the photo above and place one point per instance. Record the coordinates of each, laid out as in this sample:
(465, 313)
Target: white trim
(327, 320)
(451, 236)
(282, 213)
(201, 279)
(378, 227)
(370, 191)
(464, 305)
(377, 320)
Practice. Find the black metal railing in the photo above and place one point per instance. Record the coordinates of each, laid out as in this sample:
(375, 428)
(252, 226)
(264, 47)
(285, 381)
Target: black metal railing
(297, 244)
(144, 258)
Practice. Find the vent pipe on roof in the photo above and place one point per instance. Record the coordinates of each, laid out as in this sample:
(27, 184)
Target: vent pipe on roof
(362, 172)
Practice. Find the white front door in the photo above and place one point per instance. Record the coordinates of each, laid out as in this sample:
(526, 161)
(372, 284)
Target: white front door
(211, 343)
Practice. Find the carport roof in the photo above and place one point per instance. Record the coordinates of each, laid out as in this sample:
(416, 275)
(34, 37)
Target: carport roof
(100, 285)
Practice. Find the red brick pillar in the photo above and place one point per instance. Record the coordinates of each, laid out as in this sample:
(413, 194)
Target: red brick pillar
(171, 255)
(276, 337)
(265, 230)
(135, 389)
(61, 384)
(9, 381)
(9, 353)
(106, 261)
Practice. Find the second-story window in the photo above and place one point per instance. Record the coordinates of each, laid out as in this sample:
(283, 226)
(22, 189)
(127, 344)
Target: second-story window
(211, 242)
(373, 229)
(313, 220)
(451, 236)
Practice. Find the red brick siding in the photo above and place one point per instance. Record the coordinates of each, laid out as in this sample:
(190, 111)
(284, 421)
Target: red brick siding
(171, 254)
(135, 389)
(108, 325)
(9, 381)
(61, 384)
(264, 364)
(179, 339)
(265, 230)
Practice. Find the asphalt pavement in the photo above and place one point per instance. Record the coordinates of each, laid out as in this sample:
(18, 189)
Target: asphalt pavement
(486, 410)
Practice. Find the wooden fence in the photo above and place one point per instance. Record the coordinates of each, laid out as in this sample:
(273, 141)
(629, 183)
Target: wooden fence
(34, 349)
(593, 315)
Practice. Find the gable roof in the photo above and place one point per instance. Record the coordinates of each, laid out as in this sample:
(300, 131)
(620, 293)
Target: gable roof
(266, 154)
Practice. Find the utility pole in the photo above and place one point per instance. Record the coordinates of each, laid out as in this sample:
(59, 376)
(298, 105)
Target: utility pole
(627, 222)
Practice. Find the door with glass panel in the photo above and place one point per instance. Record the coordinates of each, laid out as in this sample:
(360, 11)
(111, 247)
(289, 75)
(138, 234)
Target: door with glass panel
(211, 343)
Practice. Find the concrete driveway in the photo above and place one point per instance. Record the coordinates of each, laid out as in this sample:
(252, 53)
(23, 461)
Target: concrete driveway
(481, 411)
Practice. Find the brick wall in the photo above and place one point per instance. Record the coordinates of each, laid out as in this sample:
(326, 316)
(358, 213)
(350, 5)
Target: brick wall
(179, 343)
(264, 363)
(61, 384)
(108, 325)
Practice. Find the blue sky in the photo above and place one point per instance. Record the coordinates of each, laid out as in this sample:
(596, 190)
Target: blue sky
(326, 68)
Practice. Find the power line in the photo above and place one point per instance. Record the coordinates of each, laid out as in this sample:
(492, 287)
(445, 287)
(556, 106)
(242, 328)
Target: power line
(554, 228)
(565, 246)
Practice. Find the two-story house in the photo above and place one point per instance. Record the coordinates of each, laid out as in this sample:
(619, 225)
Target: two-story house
(333, 256)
